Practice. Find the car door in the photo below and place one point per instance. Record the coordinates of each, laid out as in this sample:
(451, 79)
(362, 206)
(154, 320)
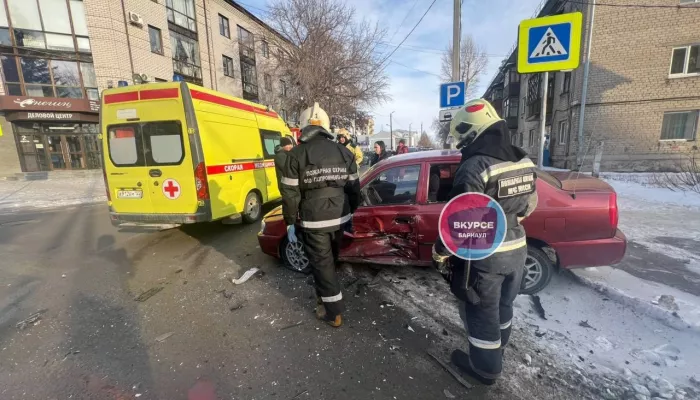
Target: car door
(438, 180)
(384, 226)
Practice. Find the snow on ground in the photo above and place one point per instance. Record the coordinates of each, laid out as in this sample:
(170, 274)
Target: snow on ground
(52, 192)
(587, 341)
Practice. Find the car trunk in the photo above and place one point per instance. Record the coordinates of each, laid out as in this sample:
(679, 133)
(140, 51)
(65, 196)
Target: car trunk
(575, 181)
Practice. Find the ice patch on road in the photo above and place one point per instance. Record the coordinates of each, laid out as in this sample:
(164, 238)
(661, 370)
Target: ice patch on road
(52, 192)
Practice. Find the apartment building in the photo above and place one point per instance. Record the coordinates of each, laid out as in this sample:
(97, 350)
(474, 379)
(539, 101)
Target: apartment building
(58, 55)
(643, 96)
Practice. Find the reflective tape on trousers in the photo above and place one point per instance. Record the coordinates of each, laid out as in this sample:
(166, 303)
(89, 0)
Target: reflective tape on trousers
(506, 325)
(512, 245)
(327, 223)
(332, 299)
(485, 344)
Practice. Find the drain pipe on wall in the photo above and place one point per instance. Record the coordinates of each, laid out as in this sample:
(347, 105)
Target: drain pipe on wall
(128, 42)
(580, 157)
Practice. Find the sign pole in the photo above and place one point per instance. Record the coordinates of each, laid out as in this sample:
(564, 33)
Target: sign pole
(580, 157)
(456, 37)
(543, 121)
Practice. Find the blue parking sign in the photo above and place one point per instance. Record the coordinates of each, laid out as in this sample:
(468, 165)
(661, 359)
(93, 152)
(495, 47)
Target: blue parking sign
(452, 94)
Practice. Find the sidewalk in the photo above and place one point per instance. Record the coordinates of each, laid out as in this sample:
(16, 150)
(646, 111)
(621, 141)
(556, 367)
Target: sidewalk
(56, 191)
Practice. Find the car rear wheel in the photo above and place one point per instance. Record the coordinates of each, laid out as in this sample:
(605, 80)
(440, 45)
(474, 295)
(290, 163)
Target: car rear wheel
(252, 208)
(538, 271)
(294, 257)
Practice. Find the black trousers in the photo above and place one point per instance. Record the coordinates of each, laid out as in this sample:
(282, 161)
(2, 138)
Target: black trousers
(322, 249)
(489, 322)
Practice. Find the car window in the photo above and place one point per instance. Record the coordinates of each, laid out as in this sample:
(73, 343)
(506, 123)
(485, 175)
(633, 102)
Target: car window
(549, 179)
(125, 148)
(163, 143)
(440, 179)
(397, 185)
(270, 140)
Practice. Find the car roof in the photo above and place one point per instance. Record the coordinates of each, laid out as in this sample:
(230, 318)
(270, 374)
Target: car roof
(421, 156)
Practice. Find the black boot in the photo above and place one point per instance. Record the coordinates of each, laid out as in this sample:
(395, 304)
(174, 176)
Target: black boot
(461, 360)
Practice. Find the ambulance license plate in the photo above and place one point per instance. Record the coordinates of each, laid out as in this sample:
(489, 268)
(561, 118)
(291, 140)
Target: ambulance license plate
(129, 194)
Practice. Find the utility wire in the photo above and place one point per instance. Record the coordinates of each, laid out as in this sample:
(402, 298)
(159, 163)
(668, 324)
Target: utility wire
(678, 6)
(404, 20)
(409, 33)
(415, 69)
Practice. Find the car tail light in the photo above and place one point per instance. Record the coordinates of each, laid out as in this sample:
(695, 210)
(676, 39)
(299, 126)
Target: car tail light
(200, 181)
(612, 209)
(104, 176)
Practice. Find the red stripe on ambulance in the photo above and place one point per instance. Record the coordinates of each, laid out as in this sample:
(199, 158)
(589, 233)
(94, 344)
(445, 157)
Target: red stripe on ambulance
(238, 167)
(196, 94)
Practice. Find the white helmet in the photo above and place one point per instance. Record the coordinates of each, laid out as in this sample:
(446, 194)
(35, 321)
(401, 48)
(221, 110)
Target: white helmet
(314, 116)
(472, 120)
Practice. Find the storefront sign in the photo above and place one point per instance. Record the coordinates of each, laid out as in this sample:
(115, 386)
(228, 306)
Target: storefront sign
(45, 104)
(49, 115)
(472, 226)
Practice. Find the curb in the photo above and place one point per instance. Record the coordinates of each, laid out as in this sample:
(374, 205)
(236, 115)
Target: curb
(667, 317)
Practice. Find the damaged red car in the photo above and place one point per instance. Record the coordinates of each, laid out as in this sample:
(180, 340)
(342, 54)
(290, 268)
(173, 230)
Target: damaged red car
(574, 225)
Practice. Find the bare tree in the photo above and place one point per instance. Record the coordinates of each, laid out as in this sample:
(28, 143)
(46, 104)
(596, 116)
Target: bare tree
(425, 141)
(442, 131)
(472, 63)
(329, 55)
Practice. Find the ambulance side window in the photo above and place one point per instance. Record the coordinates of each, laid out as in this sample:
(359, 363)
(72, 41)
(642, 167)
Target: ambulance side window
(163, 143)
(270, 139)
(125, 146)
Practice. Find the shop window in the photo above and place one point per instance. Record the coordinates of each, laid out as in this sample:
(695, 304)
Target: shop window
(35, 70)
(181, 13)
(54, 13)
(39, 91)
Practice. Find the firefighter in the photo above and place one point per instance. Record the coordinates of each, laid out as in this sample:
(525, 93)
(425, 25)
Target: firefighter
(344, 139)
(488, 287)
(320, 186)
(281, 151)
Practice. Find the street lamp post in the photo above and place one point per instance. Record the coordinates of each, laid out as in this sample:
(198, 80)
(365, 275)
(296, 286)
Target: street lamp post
(391, 131)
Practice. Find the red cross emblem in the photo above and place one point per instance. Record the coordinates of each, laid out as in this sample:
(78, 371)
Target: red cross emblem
(171, 189)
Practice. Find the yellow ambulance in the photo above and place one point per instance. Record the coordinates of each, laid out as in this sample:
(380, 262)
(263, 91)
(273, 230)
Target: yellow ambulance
(176, 153)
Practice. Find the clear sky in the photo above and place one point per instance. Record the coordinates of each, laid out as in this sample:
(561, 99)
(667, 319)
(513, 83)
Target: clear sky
(493, 24)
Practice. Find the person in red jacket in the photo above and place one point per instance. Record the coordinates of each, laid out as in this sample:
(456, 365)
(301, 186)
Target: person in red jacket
(402, 148)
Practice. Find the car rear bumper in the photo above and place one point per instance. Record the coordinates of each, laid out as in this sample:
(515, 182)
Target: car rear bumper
(269, 245)
(592, 253)
(120, 218)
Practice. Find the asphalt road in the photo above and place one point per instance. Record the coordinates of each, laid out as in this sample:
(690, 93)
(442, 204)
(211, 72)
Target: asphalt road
(198, 336)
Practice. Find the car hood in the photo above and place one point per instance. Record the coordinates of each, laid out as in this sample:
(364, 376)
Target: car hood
(571, 181)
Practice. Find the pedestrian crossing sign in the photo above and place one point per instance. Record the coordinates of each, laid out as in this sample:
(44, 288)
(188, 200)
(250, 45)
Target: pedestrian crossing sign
(550, 43)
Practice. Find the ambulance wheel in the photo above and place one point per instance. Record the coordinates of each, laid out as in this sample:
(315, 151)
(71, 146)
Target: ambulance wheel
(252, 208)
(294, 257)
(539, 269)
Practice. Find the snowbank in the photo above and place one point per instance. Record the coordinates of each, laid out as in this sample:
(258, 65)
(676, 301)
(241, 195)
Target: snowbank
(52, 192)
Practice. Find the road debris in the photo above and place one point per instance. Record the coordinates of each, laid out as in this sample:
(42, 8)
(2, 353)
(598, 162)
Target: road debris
(30, 320)
(537, 304)
(352, 282)
(63, 275)
(247, 275)
(450, 370)
(299, 394)
(410, 328)
(394, 347)
(225, 293)
(386, 304)
(666, 301)
(448, 394)
(292, 325)
(528, 359)
(148, 294)
(164, 336)
(237, 306)
(585, 324)
(72, 352)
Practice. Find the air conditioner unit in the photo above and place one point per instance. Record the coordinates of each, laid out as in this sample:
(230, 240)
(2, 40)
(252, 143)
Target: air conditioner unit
(135, 19)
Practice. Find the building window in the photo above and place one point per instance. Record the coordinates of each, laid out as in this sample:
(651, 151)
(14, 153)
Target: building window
(498, 93)
(689, 1)
(181, 13)
(249, 80)
(268, 82)
(156, 39)
(265, 48)
(566, 83)
(186, 57)
(532, 138)
(49, 28)
(533, 95)
(514, 76)
(283, 88)
(685, 61)
(246, 40)
(224, 28)
(228, 66)
(563, 129)
(679, 125)
(48, 78)
(510, 107)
